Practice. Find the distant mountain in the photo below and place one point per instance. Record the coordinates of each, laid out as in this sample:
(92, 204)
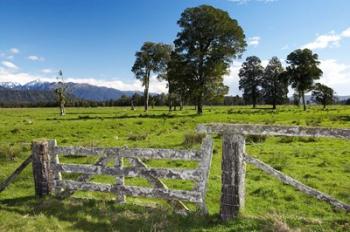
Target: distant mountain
(81, 91)
(12, 97)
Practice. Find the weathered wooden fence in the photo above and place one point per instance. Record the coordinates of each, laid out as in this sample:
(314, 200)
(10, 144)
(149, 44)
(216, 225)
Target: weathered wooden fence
(47, 171)
(234, 158)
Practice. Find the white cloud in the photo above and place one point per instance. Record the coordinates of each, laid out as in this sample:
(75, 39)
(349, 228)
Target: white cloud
(232, 79)
(346, 33)
(46, 70)
(14, 50)
(9, 64)
(329, 40)
(336, 75)
(35, 58)
(7, 75)
(254, 41)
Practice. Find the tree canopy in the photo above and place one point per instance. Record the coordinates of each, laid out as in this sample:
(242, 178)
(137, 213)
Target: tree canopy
(303, 70)
(274, 83)
(208, 41)
(251, 75)
(152, 58)
(322, 94)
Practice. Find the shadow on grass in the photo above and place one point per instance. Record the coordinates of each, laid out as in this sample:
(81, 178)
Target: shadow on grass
(97, 215)
(149, 116)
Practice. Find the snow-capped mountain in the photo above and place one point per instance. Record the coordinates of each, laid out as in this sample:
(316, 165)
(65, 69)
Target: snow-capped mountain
(81, 91)
(10, 85)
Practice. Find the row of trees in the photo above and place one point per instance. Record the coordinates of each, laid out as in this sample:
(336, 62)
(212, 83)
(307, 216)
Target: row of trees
(271, 83)
(201, 54)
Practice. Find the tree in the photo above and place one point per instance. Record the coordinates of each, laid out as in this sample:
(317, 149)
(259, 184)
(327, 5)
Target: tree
(274, 83)
(303, 71)
(208, 41)
(60, 92)
(251, 75)
(152, 58)
(322, 94)
(177, 76)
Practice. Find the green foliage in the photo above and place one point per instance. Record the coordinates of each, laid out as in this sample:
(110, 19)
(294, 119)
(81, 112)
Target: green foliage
(251, 75)
(152, 58)
(303, 70)
(208, 40)
(323, 94)
(274, 83)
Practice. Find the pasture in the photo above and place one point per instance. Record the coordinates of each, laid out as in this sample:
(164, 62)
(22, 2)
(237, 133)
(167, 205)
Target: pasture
(322, 163)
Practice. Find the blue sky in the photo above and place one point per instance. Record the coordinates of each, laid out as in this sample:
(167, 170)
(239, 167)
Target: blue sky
(94, 41)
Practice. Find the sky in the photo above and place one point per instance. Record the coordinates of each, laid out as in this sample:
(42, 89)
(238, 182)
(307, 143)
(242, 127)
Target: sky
(94, 41)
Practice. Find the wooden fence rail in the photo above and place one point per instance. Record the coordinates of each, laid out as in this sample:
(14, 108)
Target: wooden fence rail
(48, 172)
(234, 158)
(14, 175)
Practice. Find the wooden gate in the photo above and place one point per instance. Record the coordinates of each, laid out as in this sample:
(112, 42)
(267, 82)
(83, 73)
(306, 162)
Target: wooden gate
(48, 169)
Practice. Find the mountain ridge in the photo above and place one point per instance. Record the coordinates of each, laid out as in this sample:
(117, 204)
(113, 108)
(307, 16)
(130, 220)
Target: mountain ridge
(79, 90)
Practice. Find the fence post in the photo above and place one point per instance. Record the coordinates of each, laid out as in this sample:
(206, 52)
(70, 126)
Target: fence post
(41, 168)
(233, 176)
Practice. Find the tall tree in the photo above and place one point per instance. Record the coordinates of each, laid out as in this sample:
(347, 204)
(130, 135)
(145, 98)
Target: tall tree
(251, 75)
(178, 74)
(60, 92)
(322, 94)
(274, 83)
(208, 41)
(152, 58)
(303, 70)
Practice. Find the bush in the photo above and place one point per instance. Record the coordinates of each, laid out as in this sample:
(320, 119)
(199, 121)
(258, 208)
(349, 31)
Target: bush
(193, 138)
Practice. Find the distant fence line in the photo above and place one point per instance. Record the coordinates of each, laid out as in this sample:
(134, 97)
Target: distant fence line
(234, 158)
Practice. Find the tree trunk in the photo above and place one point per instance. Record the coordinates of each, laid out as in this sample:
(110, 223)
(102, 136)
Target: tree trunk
(62, 109)
(181, 103)
(146, 93)
(274, 96)
(132, 105)
(200, 105)
(274, 103)
(303, 98)
(170, 104)
(254, 98)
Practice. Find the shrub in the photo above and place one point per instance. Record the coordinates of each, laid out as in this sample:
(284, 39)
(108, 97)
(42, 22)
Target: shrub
(193, 138)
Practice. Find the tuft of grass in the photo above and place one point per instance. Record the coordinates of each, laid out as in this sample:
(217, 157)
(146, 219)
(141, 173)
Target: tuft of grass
(193, 138)
(9, 151)
(314, 122)
(137, 137)
(251, 139)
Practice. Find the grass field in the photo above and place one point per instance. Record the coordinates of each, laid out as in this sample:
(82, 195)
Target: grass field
(270, 206)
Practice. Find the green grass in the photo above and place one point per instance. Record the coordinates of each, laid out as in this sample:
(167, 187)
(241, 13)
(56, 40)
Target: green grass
(270, 205)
